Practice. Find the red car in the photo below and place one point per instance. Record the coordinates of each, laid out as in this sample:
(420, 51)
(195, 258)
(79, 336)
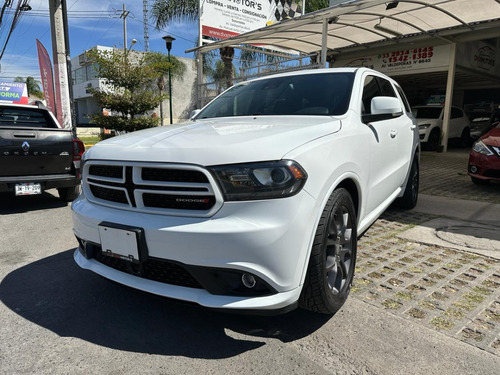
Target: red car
(484, 158)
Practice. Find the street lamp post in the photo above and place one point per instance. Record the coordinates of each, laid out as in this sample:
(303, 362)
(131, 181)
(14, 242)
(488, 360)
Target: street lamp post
(168, 40)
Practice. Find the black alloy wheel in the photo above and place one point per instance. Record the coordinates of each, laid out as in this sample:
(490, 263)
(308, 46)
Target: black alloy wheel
(333, 256)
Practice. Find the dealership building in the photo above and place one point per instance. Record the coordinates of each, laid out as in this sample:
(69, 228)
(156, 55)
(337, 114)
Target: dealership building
(433, 48)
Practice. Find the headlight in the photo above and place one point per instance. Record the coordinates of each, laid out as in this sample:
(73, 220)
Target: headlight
(267, 180)
(481, 148)
(424, 126)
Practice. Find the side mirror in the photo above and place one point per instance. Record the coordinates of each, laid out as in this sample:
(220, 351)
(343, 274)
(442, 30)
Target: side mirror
(194, 113)
(386, 105)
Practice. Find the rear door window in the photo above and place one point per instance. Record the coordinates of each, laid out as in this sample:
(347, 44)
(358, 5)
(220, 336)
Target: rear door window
(25, 118)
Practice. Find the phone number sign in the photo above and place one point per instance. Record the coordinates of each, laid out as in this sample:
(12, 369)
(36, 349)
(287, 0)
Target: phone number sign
(430, 58)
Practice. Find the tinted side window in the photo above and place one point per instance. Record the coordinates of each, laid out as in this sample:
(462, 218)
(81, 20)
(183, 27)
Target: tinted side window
(403, 98)
(456, 113)
(375, 86)
(385, 87)
(370, 90)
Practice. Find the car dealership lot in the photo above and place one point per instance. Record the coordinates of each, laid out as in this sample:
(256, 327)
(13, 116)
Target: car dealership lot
(57, 318)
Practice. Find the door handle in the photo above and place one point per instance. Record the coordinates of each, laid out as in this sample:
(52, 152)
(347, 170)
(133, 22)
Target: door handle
(393, 133)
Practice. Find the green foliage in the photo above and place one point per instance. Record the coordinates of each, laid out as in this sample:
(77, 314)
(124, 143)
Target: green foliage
(312, 5)
(164, 11)
(32, 85)
(120, 123)
(131, 89)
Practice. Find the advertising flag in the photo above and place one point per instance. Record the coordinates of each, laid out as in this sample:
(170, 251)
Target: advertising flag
(47, 76)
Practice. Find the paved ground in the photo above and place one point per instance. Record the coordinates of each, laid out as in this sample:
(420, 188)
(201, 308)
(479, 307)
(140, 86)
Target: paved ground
(437, 283)
(418, 306)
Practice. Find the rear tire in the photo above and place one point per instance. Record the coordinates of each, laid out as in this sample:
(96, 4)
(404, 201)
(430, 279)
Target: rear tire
(433, 140)
(69, 194)
(410, 197)
(333, 256)
(465, 138)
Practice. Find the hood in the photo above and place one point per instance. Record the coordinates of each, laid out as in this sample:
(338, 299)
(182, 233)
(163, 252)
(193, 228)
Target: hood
(217, 141)
(492, 138)
(421, 121)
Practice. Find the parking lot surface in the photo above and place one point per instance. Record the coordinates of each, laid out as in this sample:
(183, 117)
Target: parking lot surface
(418, 306)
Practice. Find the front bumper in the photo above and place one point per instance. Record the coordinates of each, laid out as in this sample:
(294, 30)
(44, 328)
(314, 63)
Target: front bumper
(268, 239)
(7, 184)
(484, 167)
(423, 135)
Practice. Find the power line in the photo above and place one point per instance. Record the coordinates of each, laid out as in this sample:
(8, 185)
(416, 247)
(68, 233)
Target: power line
(22, 5)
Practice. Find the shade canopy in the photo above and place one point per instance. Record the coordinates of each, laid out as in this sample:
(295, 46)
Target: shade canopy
(359, 24)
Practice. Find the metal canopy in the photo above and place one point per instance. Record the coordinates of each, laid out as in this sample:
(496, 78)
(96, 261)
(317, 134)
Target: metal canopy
(359, 24)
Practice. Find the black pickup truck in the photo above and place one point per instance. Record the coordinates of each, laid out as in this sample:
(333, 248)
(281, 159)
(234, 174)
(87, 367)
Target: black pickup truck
(36, 153)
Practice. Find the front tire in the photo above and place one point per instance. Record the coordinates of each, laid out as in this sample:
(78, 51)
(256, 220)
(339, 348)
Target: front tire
(69, 194)
(333, 256)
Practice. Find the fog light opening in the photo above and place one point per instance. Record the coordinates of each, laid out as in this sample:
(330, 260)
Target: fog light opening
(248, 280)
(473, 169)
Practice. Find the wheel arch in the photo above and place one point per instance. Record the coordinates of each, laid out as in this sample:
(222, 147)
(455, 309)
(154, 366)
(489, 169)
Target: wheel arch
(351, 184)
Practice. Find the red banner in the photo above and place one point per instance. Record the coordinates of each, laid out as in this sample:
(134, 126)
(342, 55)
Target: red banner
(47, 77)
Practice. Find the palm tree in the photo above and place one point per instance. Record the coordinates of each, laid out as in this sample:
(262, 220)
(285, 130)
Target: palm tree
(164, 11)
(32, 85)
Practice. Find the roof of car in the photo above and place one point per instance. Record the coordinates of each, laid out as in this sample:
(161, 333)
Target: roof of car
(7, 104)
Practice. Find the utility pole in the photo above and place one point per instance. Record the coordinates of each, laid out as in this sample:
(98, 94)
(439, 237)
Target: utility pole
(124, 15)
(59, 43)
(145, 20)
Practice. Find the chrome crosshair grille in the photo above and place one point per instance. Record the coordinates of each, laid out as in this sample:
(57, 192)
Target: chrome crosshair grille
(154, 188)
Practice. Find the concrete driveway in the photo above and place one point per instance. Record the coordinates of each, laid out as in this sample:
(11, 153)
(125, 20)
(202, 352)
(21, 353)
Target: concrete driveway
(417, 306)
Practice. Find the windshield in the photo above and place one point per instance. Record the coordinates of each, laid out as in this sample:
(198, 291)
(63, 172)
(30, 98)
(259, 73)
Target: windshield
(427, 112)
(310, 94)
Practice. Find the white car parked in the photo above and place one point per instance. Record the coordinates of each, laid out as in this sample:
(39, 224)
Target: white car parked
(256, 204)
(430, 125)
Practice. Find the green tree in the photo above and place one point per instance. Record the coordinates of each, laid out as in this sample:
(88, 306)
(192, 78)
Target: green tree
(129, 91)
(32, 85)
(159, 62)
(312, 5)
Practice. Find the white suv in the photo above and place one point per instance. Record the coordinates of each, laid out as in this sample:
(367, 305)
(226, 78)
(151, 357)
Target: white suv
(430, 124)
(257, 202)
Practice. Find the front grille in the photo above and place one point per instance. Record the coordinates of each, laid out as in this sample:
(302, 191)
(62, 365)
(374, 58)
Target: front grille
(160, 189)
(176, 202)
(163, 271)
(113, 171)
(173, 175)
(492, 173)
(108, 194)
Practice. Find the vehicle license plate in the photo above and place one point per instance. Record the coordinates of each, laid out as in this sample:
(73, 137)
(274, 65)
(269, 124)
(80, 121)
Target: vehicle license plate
(119, 243)
(28, 188)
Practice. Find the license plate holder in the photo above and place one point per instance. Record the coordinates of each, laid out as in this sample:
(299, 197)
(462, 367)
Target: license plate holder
(28, 188)
(123, 242)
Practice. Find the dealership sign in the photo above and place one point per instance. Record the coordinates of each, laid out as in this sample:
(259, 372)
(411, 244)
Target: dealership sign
(13, 92)
(403, 61)
(222, 19)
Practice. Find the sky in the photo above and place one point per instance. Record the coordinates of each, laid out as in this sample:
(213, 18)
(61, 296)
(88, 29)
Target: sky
(90, 23)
